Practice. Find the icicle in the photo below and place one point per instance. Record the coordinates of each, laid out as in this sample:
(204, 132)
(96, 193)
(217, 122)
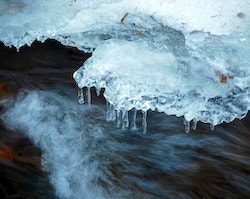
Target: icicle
(122, 119)
(108, 111)
(98, 91)
(187, 126)
(125, 120)
(88, 95)
(194, 124)
(144, 121)
(118, 118)
(80, 96)
(211, 126)
(133, 126)
(112, 113)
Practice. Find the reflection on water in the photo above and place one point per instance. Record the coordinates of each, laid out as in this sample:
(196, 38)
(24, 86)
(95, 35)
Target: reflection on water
(87, 157)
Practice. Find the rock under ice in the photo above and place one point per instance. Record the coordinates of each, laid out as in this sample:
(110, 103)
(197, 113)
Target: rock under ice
(183, 58)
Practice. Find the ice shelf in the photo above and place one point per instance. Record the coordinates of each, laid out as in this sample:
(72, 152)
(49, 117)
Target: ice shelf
(180, 57)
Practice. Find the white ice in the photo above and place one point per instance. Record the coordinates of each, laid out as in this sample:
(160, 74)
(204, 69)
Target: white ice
(181, 57)
(85, 23)
(184, 81)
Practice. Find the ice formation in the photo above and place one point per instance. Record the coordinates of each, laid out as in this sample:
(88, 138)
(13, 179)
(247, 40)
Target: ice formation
(180, 57)
(182, 81)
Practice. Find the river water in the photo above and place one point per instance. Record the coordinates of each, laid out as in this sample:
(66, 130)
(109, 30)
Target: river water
(76, 153)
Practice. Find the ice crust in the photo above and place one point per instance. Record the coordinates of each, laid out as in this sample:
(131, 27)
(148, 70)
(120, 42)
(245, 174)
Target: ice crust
(184, 81)
(180, 57)
(87, 23)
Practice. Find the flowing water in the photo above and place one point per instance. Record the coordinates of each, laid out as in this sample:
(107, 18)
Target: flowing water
(86, 156)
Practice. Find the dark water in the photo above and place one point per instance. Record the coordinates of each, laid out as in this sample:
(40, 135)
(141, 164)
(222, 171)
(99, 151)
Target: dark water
(39, 67)
(84, 156)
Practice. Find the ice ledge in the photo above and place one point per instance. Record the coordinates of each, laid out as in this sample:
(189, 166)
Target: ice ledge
(85, 24)
(207, 80)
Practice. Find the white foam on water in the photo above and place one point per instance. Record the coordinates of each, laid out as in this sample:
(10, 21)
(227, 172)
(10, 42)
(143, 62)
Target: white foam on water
(86, 157)
(77, 145)
(51, 121)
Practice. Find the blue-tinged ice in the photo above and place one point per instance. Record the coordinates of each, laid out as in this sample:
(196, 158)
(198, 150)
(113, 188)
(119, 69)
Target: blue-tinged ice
(85, 24)
(185, 81)
(125, 120)
(133, 125)
(183, 58)
(80, 96)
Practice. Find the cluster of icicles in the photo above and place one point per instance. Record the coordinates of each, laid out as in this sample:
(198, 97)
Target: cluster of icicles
(194, 125)
(121, 117)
